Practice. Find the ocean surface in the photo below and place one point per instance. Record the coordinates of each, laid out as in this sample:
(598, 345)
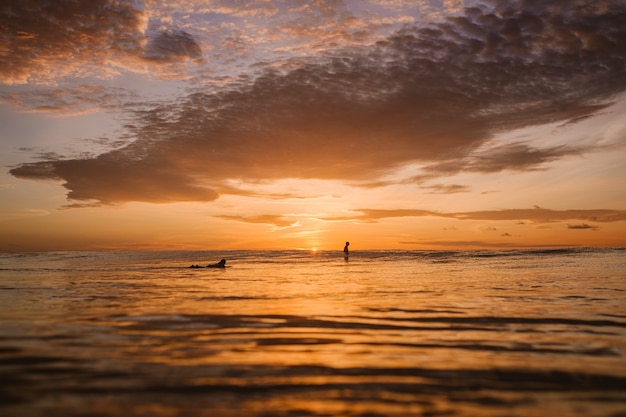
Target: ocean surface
(297, 333)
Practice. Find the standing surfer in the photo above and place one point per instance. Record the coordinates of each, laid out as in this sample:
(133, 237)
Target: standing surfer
(346, 252)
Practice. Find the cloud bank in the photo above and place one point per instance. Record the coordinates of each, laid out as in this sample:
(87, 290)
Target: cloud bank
(427, 94)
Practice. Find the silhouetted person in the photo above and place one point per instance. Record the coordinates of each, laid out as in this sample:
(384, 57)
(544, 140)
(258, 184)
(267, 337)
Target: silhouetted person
(346, 252)
(220, 264)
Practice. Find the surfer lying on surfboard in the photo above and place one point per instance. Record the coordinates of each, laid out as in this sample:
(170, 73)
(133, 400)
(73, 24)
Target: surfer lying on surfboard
(220, 264)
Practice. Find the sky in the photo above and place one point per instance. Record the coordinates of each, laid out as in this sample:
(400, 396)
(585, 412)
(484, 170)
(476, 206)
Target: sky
(292, 124)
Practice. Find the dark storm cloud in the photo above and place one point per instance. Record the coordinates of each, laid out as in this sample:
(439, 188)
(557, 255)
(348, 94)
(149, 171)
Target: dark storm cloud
(42, 41)
(433, 95)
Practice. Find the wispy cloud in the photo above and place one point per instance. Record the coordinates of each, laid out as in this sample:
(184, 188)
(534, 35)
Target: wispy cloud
(535, 215)
(432, 95)
(70, 101)
(583, 226)
(508, 157)
(446, 188)
(275, 220)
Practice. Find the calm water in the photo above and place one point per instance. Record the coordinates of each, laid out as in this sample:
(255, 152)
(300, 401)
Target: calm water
(479, 333)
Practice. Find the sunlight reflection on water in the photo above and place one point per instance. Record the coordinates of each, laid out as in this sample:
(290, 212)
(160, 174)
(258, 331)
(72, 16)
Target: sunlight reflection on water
(285, 333)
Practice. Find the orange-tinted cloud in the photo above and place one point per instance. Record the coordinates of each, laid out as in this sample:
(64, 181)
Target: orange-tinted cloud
(275, 220)
(70, 101)
(432, 95)
(44, 41)
(446, 188)
(535, 215)
(520, 216)
(583, 226)
(508, 157)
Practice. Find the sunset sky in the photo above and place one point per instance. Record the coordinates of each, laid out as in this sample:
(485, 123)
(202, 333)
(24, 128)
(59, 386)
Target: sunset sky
(292, 124)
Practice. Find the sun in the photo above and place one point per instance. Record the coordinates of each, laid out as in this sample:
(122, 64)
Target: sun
(313, 249)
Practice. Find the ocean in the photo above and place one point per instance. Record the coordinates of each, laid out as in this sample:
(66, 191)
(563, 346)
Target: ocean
(299, 333)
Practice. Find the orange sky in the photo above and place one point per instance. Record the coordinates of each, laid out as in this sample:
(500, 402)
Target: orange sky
(303, 124)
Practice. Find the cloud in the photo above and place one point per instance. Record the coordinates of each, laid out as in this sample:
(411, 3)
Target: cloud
(545, 215)
(170, 45)
(120, 181)
(261, 8)
(275, 220)
(44, 42)
(507, 157)
(70, 101)
(447, 188)
(535, 215)
(255, 192)
(583, 226)
(432, 95)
